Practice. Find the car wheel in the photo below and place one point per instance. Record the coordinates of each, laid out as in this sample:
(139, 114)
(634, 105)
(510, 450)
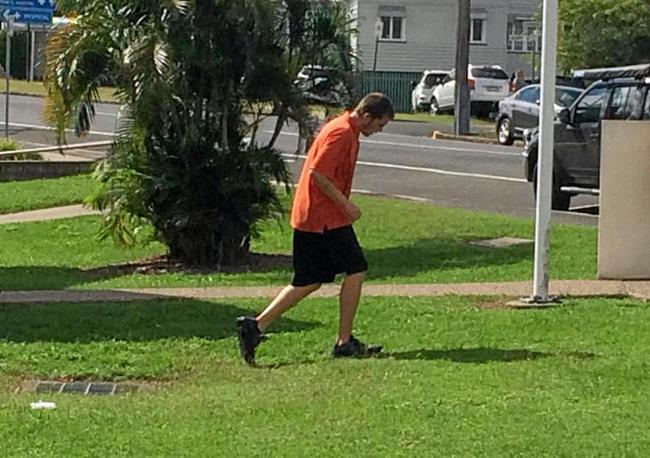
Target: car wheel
(435, 108)
(504, 131)
(559, 200)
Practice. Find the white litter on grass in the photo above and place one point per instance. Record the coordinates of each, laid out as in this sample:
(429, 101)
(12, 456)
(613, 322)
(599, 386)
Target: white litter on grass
(502, 242)
(43, 405)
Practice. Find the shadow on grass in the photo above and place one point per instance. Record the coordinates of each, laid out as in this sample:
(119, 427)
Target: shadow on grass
(425, 255)
(43, 277)
(441, 254)
(283, 364)
(54, 277)
(129, 321)
(479, 355)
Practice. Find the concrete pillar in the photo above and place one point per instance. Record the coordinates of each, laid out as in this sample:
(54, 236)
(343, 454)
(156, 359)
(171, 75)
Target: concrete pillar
(624, 225)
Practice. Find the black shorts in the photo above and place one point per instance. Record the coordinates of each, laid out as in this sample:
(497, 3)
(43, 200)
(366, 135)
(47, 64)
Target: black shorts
(318, 258)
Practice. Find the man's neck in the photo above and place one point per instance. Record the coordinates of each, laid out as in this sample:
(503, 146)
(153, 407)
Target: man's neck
(355, 119)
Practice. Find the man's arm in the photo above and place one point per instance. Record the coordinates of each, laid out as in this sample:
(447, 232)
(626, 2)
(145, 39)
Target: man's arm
(331, 191)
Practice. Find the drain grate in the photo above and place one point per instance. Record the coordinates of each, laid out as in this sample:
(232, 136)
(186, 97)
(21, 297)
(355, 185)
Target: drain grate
(83, 388)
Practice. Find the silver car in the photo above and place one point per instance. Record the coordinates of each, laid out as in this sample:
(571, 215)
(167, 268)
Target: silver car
(520, 110)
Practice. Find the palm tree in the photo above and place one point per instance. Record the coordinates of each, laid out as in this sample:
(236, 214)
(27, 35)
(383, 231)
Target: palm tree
(186, 159)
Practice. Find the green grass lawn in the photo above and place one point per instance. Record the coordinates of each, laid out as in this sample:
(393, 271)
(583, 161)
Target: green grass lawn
(17, 196)
(38, 89)
(439, 119)
(405, 242)
(458, 378)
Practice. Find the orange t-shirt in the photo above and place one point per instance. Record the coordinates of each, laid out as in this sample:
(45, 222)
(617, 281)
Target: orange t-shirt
(334, 155)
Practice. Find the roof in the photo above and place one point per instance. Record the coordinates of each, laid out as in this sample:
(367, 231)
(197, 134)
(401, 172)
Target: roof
(632, 71)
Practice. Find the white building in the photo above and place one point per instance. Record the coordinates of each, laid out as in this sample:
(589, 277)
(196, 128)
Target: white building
(421, 34)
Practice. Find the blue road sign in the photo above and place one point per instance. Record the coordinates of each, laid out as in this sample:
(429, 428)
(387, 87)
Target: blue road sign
(27, 11)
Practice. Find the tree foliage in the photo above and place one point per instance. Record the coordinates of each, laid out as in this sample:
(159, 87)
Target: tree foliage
(603, 33)
(195, 79)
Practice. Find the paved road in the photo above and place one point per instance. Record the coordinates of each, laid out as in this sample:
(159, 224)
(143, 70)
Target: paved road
(447, 173)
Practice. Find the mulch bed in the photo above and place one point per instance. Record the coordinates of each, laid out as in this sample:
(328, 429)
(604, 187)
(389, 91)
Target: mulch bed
(162, 264)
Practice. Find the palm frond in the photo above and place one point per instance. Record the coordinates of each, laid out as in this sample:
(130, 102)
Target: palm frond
(76, 62)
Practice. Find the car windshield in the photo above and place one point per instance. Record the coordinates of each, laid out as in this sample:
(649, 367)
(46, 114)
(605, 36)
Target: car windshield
(432, 79)
(565, 97)
(489, 72)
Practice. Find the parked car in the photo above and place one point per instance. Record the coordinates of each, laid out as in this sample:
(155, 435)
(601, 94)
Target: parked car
(560, 80)
(423, 90)
(618, 93)
(323, 85)
(520, 110)
(487, 84)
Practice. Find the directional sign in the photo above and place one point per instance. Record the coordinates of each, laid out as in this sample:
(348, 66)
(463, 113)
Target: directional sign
(27, 11)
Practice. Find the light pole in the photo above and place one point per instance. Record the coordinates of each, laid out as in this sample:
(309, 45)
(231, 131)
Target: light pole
(379, 26)
(535, 46)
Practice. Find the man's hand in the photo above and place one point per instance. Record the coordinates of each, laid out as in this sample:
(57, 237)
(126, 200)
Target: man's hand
(353, 211)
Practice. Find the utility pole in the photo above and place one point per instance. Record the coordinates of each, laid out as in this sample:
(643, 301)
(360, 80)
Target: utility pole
(461, 92)
(10, 31)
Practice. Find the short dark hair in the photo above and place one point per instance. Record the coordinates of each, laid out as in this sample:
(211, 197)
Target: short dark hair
(377, 105)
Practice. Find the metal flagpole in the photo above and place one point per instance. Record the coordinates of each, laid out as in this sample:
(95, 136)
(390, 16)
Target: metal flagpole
(545, 152)
(540, 295)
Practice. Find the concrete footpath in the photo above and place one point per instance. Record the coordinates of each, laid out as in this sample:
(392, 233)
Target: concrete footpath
(70, 211)
(562, 288)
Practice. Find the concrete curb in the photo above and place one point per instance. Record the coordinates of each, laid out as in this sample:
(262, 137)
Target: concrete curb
(562, 288)
(31, 170)
(437, 135)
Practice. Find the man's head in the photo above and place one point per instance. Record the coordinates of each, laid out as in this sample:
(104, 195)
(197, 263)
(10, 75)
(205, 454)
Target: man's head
(373, 113)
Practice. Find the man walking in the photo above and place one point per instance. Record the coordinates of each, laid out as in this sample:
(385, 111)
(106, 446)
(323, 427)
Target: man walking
(517, 81)
(324, 242)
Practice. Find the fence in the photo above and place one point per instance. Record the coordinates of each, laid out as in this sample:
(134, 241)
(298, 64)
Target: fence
(396, 86)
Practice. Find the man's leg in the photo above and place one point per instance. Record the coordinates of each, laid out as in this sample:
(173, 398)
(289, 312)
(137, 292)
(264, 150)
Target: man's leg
(346, 343)
(348, 304)
(286, 299)
(250, 330)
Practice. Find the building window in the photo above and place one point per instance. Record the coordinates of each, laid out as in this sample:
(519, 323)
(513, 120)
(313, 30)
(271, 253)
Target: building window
(523, 35)
(392, 28)
(477, 30)
(393, 20)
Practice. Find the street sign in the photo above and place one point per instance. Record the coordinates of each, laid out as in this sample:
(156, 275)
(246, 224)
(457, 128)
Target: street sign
(27, 11)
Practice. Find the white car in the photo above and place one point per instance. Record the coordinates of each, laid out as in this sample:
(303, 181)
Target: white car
(487, 86)
(322, 85)
(423, 90)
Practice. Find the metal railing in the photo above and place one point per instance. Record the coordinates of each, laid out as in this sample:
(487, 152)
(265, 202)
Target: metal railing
(47, 149)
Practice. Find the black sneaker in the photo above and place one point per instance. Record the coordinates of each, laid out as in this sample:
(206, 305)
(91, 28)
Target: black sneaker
(355, 348)
(249, 336)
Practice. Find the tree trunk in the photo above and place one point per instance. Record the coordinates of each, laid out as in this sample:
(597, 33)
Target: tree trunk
(195, 247)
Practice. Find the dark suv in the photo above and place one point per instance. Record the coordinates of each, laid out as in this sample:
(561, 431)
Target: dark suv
(618, 93)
